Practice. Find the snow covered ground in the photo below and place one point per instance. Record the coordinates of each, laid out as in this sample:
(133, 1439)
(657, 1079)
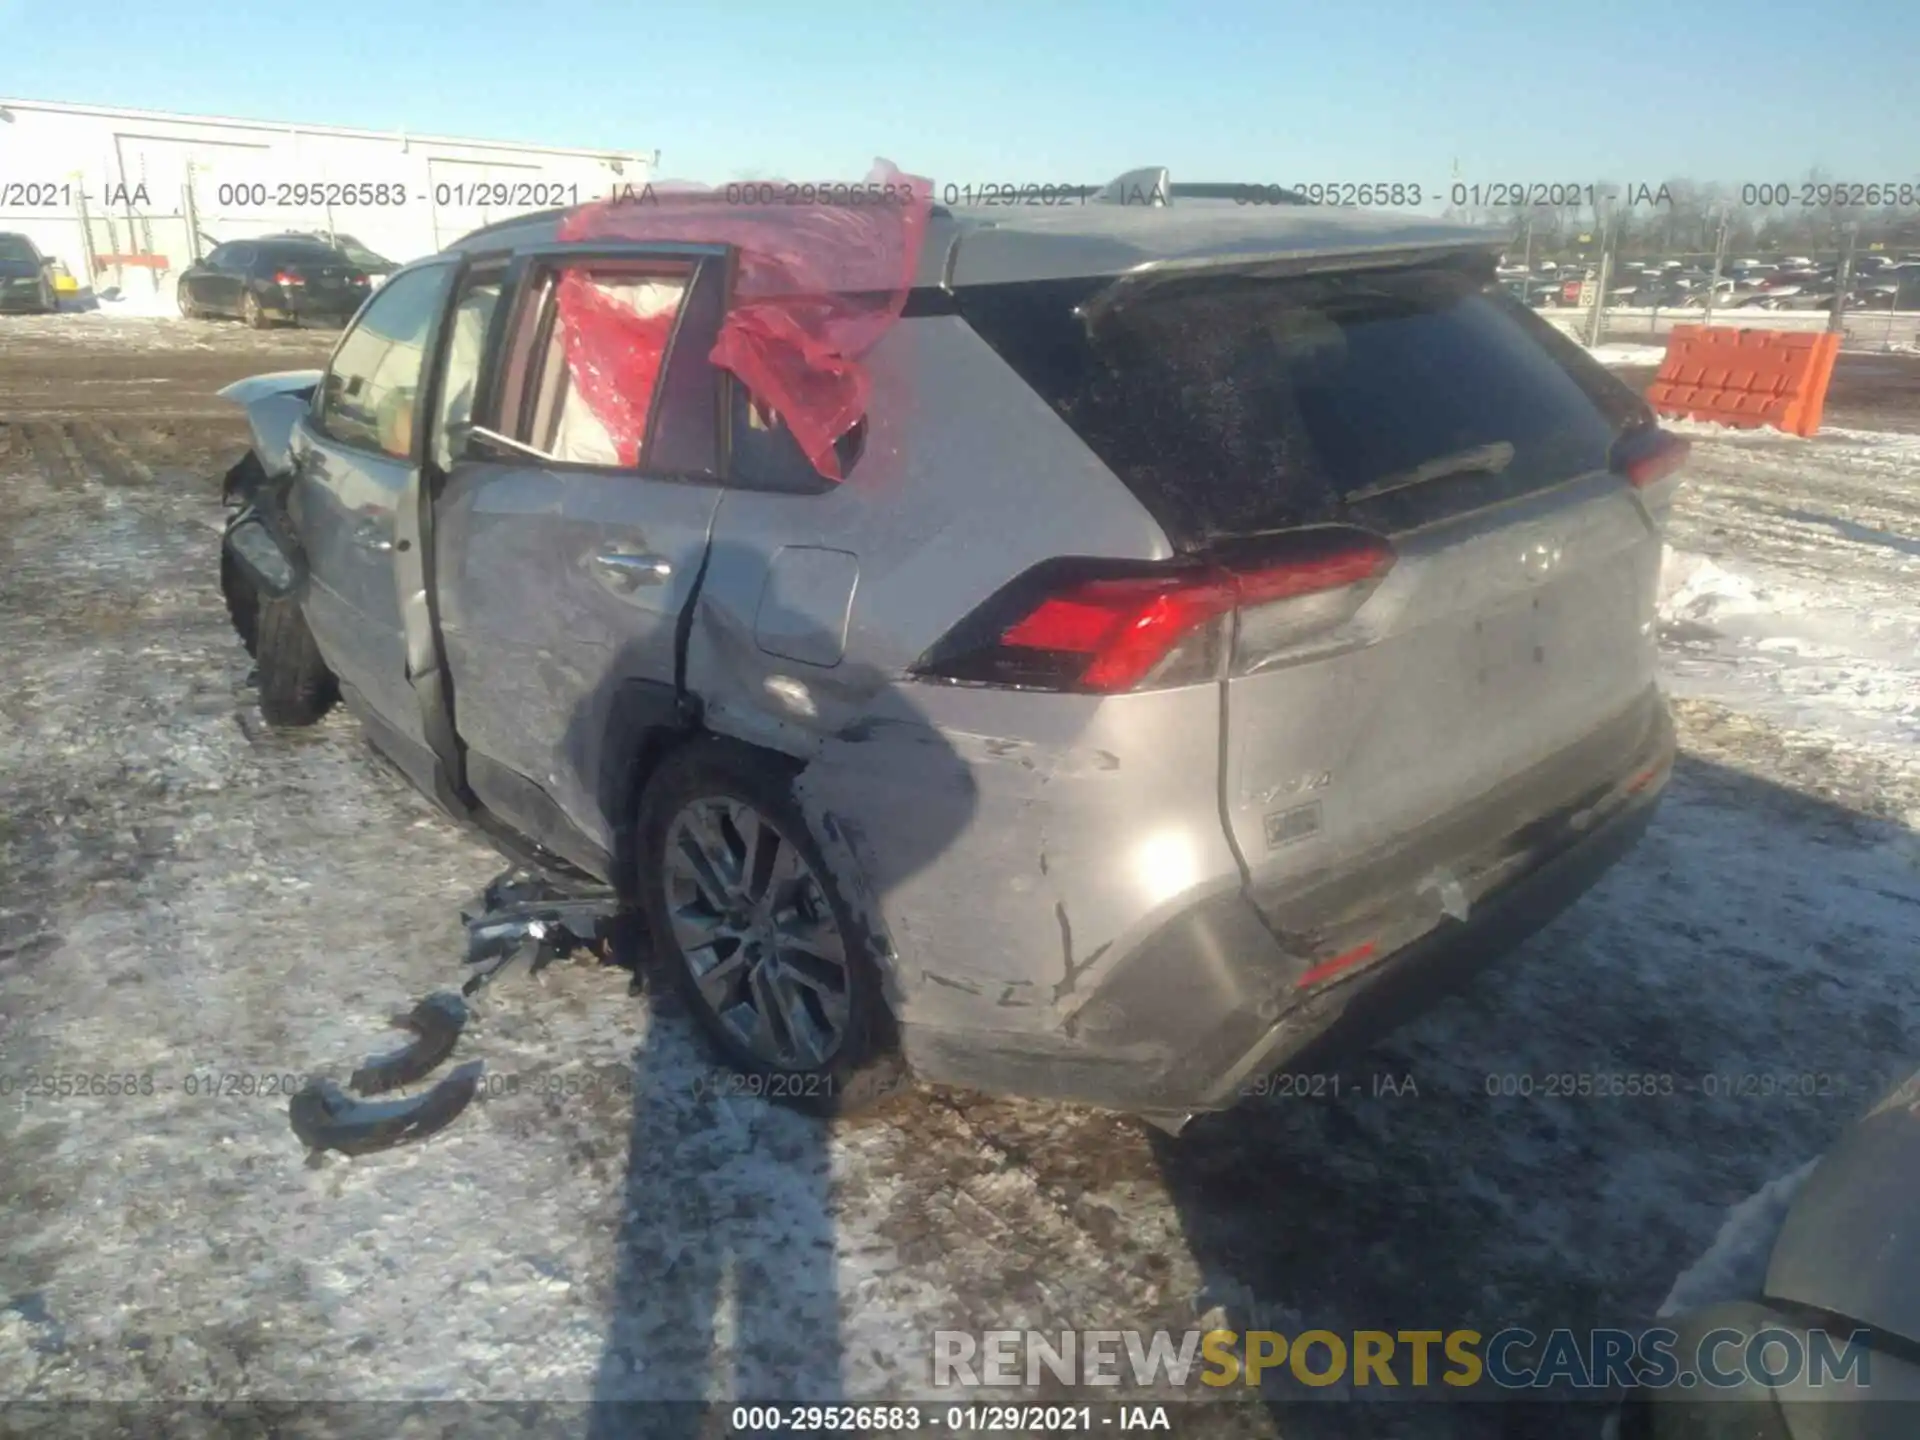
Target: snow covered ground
(1793, 586)
(1615, 352)
(192, 901)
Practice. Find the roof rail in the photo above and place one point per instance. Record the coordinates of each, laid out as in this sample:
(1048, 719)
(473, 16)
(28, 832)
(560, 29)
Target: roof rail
(524, 219)
(1243, 191)
(1153, 185)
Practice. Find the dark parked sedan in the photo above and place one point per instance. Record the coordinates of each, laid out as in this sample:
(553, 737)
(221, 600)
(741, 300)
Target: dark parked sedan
(26, 279)
(262, 281)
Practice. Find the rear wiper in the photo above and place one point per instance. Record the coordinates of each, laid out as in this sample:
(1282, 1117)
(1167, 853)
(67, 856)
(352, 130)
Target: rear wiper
(1481, 459)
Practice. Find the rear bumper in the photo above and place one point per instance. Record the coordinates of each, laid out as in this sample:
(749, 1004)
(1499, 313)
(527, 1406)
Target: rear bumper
(338, 306)
(1224, 994)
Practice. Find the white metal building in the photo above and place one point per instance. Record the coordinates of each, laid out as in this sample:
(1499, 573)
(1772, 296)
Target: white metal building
(132, 197)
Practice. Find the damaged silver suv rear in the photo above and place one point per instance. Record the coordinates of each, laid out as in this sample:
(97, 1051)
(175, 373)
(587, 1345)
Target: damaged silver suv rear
(1154, 639)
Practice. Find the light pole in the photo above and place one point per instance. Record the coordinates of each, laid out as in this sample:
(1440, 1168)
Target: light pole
(1719, 259)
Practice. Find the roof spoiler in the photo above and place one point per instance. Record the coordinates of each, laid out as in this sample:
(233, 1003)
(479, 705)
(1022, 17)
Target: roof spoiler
(1146, 186)
(1138, 281)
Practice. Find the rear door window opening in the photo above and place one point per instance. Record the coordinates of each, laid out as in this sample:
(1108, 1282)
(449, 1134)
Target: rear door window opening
(600, 343)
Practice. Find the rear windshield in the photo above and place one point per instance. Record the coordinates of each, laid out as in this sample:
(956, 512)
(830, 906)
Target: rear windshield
(300, 252)
(15, 247)
(1232, 406)
(358, 253)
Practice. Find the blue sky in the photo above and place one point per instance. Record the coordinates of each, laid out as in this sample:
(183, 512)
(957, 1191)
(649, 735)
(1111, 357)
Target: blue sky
(1034, 92)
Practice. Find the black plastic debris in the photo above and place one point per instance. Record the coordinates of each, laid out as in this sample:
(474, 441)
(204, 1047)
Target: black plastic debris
(325, 1117)
(522, 924)
(436, 1023)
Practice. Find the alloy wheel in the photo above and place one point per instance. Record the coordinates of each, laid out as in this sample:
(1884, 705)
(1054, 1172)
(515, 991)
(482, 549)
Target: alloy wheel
(756, 933)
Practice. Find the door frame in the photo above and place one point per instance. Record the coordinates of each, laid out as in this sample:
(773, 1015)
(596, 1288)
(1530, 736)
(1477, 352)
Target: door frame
(405, 558)
(427, 667)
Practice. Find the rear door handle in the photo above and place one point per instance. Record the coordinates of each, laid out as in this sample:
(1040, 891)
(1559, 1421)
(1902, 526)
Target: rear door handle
(624, 573)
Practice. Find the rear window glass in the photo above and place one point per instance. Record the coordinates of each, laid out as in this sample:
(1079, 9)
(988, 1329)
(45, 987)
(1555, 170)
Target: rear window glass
(360, 254)
(300, 253)
(15, 247)
(1235, 405)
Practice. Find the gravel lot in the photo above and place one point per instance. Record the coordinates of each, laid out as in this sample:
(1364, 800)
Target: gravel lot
(184, 895)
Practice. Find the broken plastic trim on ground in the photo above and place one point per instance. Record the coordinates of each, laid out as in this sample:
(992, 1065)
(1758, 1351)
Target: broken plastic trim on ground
(521, 923)
(325, 1117)
(818, 283)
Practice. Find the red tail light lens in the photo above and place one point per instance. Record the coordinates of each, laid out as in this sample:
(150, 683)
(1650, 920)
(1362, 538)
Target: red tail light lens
(1650, 456)
(1124, 628)
(287, 277)
(1060, 627)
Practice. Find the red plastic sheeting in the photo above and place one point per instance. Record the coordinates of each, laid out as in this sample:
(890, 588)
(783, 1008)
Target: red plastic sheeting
(824, 273)
(613, 357)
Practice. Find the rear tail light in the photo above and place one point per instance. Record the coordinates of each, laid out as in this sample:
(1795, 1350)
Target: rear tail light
(1099, 628)
(356, 279)
(287, 277)
(1650, 455)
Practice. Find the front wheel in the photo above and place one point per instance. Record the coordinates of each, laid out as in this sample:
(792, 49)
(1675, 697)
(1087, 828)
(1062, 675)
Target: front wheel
(296, 687)
(746, 914)
(243, 601)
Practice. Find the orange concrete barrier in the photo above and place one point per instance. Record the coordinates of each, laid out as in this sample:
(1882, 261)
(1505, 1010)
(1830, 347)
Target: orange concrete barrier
(1747, 378)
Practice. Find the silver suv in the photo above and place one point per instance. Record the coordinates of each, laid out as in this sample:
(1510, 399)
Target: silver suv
(1235, 623)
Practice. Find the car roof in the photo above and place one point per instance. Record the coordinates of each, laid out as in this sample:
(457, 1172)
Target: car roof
(987, 245)
(1088, 234)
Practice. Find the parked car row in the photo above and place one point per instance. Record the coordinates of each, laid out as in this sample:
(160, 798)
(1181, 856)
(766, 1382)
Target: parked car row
(1795, 283)
(293, 276)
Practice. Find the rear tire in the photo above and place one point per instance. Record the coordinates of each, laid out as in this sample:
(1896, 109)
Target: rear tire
(243, 601)
(807, 956)
(296, 687)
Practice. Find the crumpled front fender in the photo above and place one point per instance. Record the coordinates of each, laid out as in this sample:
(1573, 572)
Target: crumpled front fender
(278, 382)
(274, 405)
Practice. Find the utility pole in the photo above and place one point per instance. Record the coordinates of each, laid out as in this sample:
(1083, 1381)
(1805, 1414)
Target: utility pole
(1606, 219)
(1719, 259)
(1842, 277)
(87, 247)
(189, 203)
